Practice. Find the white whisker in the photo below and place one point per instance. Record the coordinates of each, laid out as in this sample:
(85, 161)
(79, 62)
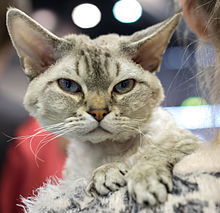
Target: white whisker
(39, 132)
(62, 132)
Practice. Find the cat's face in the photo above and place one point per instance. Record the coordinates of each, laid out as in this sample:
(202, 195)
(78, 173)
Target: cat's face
(95, 94)
(92, 90)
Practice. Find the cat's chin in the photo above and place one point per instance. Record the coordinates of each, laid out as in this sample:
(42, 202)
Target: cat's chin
(99, 130)
(98, 135)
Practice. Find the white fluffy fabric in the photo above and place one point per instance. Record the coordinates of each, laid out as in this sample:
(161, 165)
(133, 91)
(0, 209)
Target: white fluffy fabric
(196, 189)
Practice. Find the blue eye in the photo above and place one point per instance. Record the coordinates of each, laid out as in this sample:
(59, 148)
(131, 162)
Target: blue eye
(124, 86)
(69, 85)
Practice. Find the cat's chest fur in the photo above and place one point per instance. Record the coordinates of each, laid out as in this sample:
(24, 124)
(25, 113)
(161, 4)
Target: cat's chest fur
(84, 157)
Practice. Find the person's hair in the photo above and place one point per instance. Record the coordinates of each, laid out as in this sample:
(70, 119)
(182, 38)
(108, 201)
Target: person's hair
(211, 8)
(211, 77)
(208, 76)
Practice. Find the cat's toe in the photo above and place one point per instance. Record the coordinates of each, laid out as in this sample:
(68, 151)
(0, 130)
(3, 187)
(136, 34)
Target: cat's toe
(109, 177)
(148, 187)
(166, 180)
(96, 185)
(141, 195)
(148, 193)
(115, 179)
(158, 190)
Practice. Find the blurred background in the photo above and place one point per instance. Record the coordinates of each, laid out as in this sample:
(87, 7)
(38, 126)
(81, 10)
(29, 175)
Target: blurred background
(179, 70)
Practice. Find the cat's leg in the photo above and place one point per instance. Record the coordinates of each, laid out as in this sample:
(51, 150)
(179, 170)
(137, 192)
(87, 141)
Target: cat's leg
(106, 178)
(150, 179)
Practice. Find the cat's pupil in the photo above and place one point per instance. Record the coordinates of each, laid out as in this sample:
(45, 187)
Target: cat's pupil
(68, 84)
(124, 84)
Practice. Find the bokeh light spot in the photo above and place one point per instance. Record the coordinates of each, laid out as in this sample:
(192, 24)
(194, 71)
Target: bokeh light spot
(127, 11)
(86, 15)
(194, 101)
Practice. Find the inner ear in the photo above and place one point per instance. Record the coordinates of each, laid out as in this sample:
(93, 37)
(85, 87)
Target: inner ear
(149, 55)
(36, 46)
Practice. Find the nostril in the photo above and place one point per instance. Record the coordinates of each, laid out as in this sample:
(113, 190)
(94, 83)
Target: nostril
(92, 114)
(104, 114)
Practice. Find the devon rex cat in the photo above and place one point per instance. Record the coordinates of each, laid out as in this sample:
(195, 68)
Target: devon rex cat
(104, 96)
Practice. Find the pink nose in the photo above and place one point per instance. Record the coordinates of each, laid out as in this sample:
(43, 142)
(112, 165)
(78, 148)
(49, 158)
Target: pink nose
(98, 114)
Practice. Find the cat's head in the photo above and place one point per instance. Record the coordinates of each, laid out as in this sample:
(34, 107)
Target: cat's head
(93, 90)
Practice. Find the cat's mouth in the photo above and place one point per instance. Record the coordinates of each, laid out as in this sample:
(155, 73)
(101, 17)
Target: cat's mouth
(99, 129)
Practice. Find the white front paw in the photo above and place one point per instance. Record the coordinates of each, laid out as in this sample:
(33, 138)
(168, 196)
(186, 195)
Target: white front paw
(149, 185)
(106, 178)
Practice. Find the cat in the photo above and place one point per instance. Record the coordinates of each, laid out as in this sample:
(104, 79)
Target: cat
(104, 96)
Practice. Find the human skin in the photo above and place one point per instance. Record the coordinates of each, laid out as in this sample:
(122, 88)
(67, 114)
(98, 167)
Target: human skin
(195, 18)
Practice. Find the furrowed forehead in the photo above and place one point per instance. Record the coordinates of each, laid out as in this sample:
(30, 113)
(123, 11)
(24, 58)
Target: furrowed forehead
(97, 66)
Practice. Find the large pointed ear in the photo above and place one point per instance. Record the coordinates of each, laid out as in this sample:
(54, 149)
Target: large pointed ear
(146, 47)
(36, 47)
